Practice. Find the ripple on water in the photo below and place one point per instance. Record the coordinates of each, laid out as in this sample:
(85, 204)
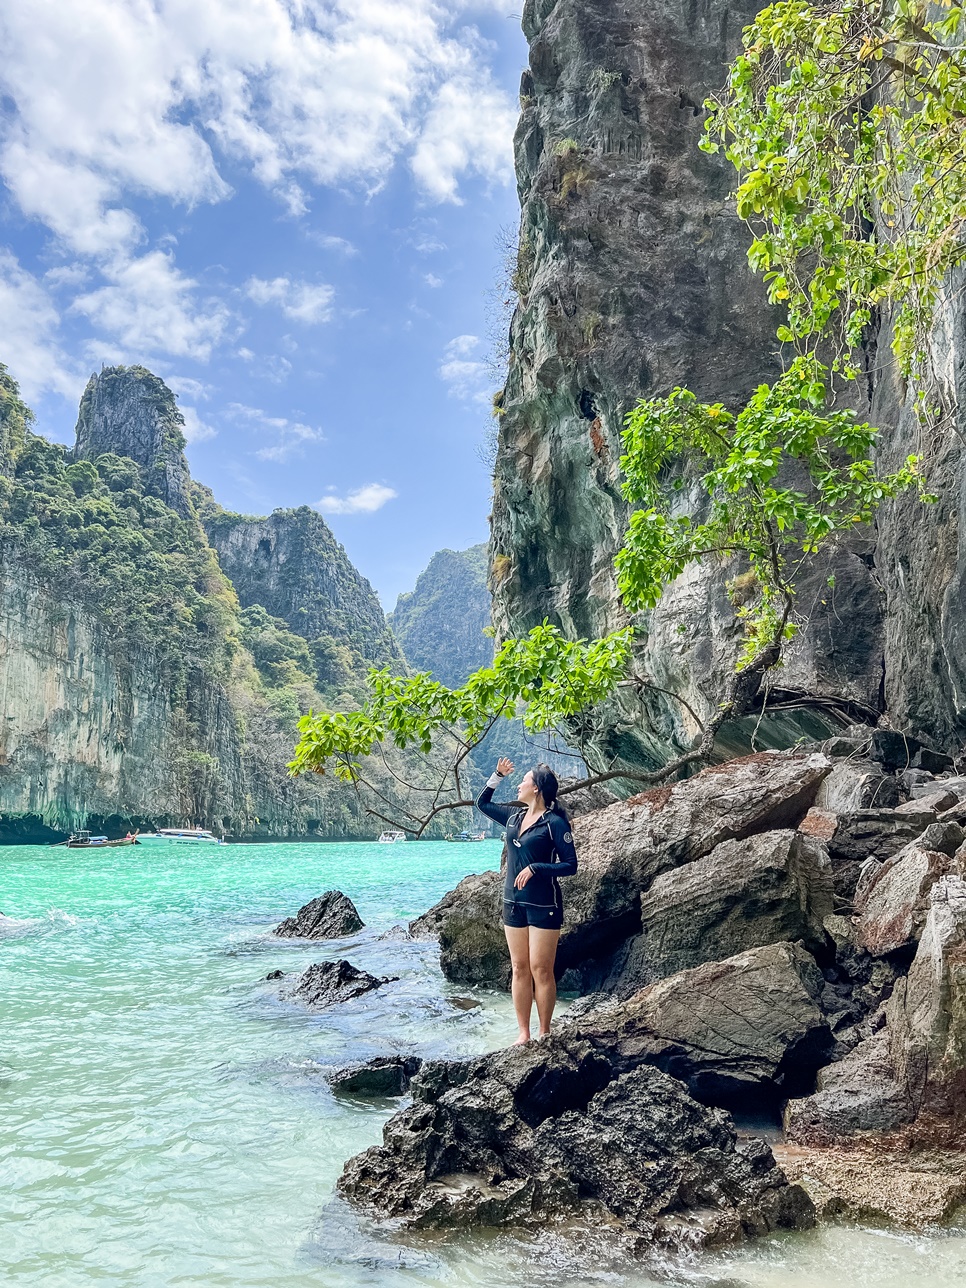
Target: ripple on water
(164, 1117)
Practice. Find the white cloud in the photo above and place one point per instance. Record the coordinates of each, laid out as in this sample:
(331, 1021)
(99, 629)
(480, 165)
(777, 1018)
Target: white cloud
(195, 429)
(115, 98)
(149, 306)
(187, 387)
(463, 372)
(302, 301)
(364, 500)
(432, 280)
(28, 344)
(467, 130)
(289, 436)
(337, 244)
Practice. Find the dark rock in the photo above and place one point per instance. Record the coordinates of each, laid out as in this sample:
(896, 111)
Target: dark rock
(744, 1032)
(326, 983)
(465, 1003)
(331, 916)
(896, 750)
(469, 925)
(744, 894)
(935, 762)
(383, 1077)
(275, 974)
(914, 781)
(543, 1130)
(857, 1094)
(876, 833)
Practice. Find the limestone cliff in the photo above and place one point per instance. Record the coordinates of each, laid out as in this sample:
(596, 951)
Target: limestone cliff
(440, 624)
(292, 565)
(632, 278)
(135, 690)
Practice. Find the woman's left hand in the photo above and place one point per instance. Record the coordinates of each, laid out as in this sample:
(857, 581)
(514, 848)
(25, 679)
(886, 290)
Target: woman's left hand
(523, 877)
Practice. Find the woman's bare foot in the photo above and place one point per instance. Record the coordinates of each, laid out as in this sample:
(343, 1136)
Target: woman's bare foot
(523, 1039)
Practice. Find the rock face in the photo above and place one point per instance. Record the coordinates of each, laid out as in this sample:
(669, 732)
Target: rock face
(292, 565)
(331, 916)
(632, 278)
(895, 900)
(771, 887)
(328, 983)
(742, 1032)
(927, 1011)
(554, 1128)
(129, 411)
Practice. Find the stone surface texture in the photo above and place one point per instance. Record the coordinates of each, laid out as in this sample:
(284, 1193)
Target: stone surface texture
(331, 916)
(552, 1129)
(329, 983)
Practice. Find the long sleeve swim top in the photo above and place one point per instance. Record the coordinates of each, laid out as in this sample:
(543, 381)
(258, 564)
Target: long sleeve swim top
(546, 848)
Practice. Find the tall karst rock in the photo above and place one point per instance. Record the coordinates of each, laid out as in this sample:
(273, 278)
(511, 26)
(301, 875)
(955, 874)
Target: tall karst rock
(292, 566)
(134, 688)
(632, 278)
(440, 624)
(131, 412)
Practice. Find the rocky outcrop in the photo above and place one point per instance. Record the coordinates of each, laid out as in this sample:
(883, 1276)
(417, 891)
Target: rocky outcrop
(131, 412)
(744, 1032)
(632, 278)
(440, 623)
(858, 1094)
(329, 983)
(292, 566)
(895, 897)
(331, 916)
(555, 1128)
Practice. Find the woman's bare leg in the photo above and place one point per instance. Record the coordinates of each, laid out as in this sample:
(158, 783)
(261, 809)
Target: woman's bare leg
(518, 941)
(543, 950)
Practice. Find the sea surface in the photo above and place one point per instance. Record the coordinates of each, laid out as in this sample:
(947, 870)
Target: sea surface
(163, 1115)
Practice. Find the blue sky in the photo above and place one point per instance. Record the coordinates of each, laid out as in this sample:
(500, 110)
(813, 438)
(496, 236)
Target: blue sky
(291, 213)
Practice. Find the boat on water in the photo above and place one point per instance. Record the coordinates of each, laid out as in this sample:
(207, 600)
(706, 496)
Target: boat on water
(390, 838)
(180, 836)
(84, 841)
(465, 836)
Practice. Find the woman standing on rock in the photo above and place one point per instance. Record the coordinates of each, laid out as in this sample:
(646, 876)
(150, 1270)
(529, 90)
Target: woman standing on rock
(539, 849)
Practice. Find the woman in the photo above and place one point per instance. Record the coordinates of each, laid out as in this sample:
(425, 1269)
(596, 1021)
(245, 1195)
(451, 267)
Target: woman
(539, 849)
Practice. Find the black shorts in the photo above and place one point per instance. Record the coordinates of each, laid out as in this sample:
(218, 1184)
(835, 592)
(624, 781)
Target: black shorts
(521, 915)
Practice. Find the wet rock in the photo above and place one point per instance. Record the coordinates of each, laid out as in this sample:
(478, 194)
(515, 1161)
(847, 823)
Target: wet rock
(275, 974)
(857, 1094)
(327, 983)
(744, 1032)
(744, 894)
(465, 1003)
(857, 784)
(331, 916)
(895, 898)
(927, 1011)
(382, 1077)
(544, 1130)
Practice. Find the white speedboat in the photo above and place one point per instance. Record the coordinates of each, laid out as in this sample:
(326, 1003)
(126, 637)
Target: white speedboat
(389, 838)
(180, 836)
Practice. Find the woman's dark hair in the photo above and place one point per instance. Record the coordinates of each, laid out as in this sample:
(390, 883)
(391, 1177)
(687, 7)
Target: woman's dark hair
(545, 781)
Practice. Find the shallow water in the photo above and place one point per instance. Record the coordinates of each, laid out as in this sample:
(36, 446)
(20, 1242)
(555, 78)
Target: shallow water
(163, 1119)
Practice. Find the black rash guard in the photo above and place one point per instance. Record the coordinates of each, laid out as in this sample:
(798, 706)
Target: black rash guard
(546, 848)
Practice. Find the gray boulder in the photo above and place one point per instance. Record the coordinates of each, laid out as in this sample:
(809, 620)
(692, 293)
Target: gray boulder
(331, 916)
(328, 983)
(382, 1077)
(744, 894)
(468, 922)
(893, 900)
(858, 1094)
(927, 1011)
(857, 784)
(551, 1129)
(744, 1033)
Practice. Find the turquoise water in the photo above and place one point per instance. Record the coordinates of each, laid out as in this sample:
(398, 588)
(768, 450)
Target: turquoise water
(163, 1118)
